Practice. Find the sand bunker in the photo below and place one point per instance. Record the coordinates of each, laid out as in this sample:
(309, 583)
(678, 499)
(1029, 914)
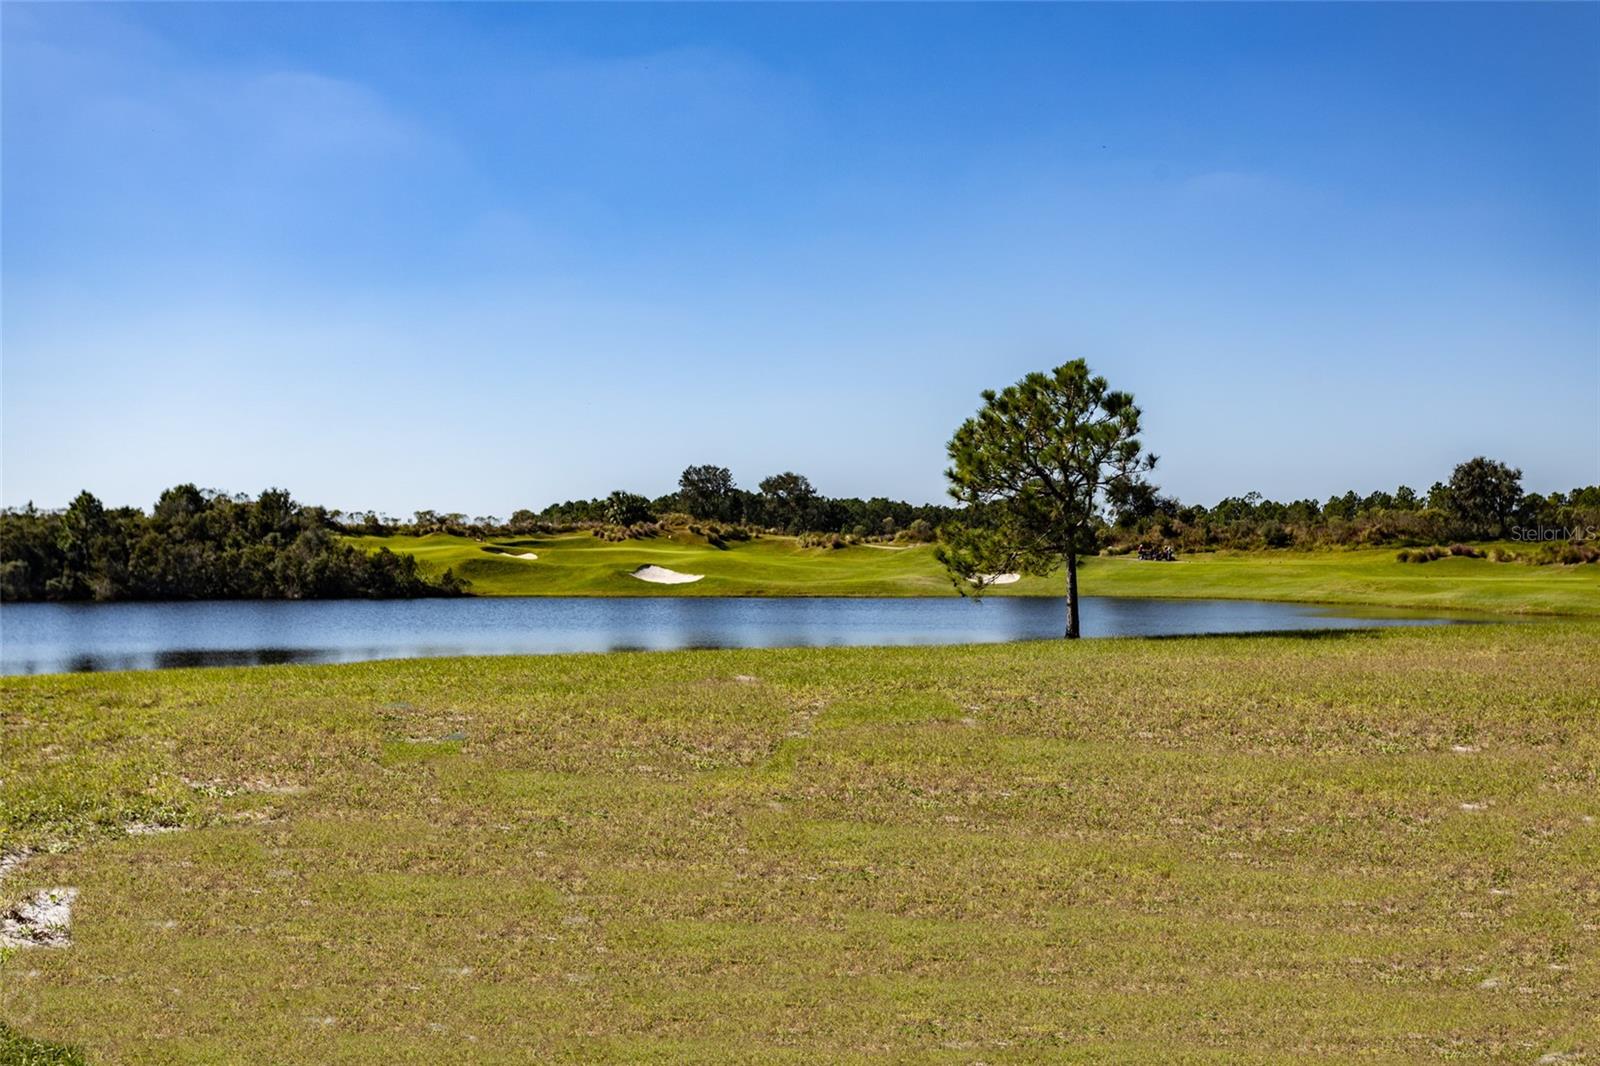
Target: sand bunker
(999, 579)
(42, 920)
(525, 555)
(660, 575)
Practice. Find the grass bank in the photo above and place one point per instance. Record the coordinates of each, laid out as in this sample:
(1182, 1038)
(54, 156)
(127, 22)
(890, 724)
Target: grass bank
(1377, 846)
(578, 564)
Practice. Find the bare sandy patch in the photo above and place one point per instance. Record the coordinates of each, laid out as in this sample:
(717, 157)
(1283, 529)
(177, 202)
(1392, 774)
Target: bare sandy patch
(660, 575)
(999, 579)
(43, 920)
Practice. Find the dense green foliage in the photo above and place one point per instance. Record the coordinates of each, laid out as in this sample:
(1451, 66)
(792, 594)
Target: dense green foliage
(1403, 517)
(708, 493)
(1373, 847)
(786, 503)
(18, 1050)
(197, 545)
(1485, 494)
(1032, 468)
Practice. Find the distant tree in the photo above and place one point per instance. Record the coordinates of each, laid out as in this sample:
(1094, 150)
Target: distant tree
(671, 503)
(1484, 494)
(789, 500)
(275, 512)
(179, 504)
(83, 526)
(708, 492)
(627, 509)
(1346, 506)
(1377, 501)
(1032, 467)
(1132, 501)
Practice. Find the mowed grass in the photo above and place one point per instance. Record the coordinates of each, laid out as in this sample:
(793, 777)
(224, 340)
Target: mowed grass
(578, 564)
(1376, 846)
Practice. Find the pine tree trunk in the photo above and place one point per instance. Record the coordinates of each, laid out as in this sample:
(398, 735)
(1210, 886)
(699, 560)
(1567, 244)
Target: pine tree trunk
(1072, 596)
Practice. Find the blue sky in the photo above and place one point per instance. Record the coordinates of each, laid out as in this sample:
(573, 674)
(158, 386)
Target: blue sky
(478, 258)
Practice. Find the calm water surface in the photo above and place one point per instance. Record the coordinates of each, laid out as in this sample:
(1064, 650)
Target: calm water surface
(58, 638)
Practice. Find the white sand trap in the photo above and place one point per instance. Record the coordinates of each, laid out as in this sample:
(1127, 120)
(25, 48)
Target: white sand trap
(525, 555)
(660, 575)
(999, 579)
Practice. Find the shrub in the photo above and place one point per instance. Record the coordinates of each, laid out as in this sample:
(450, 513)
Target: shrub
(627, 509)
(1276, 536)
(1570, 554)
(617, 534)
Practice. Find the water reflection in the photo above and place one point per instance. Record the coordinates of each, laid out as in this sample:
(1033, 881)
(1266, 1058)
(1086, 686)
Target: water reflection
(53, 638)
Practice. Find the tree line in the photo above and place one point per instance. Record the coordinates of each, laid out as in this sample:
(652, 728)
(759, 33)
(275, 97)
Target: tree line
(198, 545)
(1483, 499)
(786, 503)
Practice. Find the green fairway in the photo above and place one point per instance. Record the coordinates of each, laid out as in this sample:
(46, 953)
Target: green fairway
(577, 564)
(1371, 846)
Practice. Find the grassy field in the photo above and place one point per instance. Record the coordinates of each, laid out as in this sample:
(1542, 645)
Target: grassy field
(578, 564)
(1376, 846)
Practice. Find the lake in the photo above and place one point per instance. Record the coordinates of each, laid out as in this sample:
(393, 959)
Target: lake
(38, 638)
